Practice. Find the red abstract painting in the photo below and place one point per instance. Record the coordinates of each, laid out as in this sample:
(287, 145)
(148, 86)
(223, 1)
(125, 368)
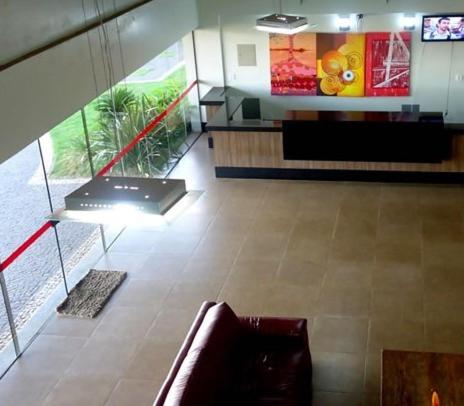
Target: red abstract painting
(388, 64)
(293, 64)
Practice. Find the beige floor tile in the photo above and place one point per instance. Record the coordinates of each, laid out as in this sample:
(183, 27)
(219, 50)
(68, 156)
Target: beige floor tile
(190, 295)
(400, 194)
(349, 275)
(444, 337)
(319, 229)
(247, 271)
(81, 390)
(339, 334)
(443, 278)
(372, 380)
(399, 252)
(400, 233)
(122, 261)
(353, 247)
(19, 390)
(268, 224)
(311, 209)
(51, 352)
(244, 299)
(142, 293)
(163, 269)
(103, 356)
(397, 305)
(337, 372)
(242, 207)
(136, 241)
(264, 247)
(131, 392)
(444, 306)
(301, 273)
(344, 302)
(219, 246)
(189, 224)
(70, 326)
(443, 231)
(289, 301)
(397, 276)
(307, 249)
(395, 335)
(336, 399)
(177, 244)
(172, 325)
(152, 360)
(400, 214)
(439, 253)
(125, 322)
(441, 212)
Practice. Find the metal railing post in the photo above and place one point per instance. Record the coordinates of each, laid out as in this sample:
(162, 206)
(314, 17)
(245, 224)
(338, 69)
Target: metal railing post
(92, 168)
(54, 223)
(9, 312)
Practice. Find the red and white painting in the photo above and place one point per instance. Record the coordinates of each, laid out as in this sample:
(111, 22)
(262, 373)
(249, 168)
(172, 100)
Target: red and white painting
(293, 64)
(388, 64)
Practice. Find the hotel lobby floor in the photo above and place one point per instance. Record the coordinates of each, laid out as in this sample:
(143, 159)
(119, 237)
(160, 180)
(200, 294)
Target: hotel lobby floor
(371, 266)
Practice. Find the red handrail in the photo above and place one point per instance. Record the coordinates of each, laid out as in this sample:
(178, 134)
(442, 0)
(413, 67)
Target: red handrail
(25, 245)
(37, 234)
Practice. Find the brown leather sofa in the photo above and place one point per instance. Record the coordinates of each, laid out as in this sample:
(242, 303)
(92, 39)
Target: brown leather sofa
(229, 360)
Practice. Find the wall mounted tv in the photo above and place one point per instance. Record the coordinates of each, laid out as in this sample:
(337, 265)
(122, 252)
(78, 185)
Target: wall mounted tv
(436, 28)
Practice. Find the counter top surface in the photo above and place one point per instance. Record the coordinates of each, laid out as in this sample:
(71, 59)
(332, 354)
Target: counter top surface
(230, 117)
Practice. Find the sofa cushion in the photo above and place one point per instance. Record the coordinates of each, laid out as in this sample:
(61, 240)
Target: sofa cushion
(211, 363)
(275, 371)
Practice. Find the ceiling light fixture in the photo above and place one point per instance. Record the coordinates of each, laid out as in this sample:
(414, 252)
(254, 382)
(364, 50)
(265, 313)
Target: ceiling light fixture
(124, 194)
(280, 23)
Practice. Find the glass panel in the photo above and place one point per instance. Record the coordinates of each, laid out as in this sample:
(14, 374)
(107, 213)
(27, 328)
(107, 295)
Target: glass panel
(67, 165)
(35, 286)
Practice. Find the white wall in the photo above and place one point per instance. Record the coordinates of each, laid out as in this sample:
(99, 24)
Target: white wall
(430, 62)
(42, 91)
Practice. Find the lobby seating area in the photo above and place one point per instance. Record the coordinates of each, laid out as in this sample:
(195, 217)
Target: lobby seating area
(250, 360)
(369, 265)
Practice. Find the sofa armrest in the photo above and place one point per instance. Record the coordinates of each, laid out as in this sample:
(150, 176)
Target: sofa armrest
(276, 327)
(162, 394)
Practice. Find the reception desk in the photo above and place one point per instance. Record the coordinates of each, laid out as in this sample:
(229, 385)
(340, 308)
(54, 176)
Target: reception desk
(336, 145)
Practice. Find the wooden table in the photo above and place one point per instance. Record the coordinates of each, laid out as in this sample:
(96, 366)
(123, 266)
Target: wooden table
(409, 378)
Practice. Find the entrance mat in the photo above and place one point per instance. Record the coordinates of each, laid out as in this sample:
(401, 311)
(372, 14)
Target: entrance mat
(92, 292)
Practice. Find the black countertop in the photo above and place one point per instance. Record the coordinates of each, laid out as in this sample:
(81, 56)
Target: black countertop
(230, 117)
(215, 97)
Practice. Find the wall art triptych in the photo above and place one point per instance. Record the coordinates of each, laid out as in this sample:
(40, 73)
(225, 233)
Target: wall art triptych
(345, 65)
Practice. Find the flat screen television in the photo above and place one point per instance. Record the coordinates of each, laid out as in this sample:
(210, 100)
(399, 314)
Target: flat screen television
(436, 28)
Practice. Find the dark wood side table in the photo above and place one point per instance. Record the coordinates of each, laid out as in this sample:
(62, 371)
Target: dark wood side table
(409, 378)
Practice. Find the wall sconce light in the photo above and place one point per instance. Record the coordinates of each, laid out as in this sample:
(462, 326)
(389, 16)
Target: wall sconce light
(344, 22)
(409, 22)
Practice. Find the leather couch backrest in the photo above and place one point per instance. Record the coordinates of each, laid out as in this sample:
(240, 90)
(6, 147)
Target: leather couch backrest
(210, 361)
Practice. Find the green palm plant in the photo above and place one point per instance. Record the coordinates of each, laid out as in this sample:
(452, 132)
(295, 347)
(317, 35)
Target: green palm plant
(121, 119)
(116, 102)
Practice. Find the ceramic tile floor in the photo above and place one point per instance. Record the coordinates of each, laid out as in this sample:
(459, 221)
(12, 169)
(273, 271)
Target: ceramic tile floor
(371, 266)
